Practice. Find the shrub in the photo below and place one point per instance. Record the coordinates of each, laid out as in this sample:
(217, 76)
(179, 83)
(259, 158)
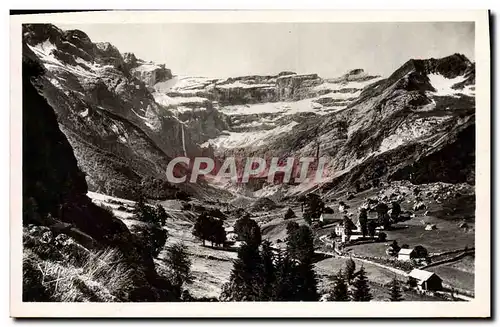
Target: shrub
(151, 237)
(382, 236)
(289, 214)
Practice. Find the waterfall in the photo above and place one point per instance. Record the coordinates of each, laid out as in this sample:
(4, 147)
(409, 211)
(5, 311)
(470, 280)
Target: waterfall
(183, 140)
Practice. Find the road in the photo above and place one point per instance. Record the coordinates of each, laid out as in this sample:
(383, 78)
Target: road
(392, 269)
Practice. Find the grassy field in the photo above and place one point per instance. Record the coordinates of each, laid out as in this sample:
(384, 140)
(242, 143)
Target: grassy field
(327, 268)
(459, 274)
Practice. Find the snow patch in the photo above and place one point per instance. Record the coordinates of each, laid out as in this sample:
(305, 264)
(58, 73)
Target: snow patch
(443, 85)
(233, 140)
(410, 131)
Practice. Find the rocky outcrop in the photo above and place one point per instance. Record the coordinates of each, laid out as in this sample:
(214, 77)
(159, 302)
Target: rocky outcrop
(295, 87)
(54, 196)
(150, 73)
(119, 133)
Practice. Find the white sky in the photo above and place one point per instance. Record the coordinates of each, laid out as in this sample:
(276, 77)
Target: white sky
(329, 49)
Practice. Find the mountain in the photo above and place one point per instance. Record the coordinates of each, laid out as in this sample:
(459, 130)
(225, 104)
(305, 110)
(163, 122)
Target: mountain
(55, 204)
(418, 124)
(126, 118)
(123, 139)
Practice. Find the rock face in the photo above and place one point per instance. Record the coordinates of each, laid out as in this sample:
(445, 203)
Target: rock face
(54, 193)
(120, 135)
(402, 127)
(126, 118)
(150, 73)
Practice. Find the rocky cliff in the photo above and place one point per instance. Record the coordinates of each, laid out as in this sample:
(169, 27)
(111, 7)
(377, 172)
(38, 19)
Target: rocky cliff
(121, 136)
(55, 201)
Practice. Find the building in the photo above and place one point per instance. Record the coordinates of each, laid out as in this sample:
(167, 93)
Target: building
(339, 229)
(406, 254)
(425, 280)
(326, 217)
(430, 227)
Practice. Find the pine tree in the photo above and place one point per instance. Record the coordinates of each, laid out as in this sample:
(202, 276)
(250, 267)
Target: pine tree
(268, 271)
(161, 215)
(177, 260)
(300, 242)
(143, 211)
(350, 268)
(300, 247)
(363, 222)
(246, 278)
(361, 289)
(285, 285)
(307, 282)
(340, 292)
(395, 291)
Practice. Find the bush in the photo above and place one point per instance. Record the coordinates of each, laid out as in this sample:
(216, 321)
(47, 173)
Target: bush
(382, 236)
(152, 237)
(289, 214)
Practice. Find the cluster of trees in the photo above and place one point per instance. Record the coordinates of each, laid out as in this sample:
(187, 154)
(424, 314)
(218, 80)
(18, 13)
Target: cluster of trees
(384, 219)
(149, 214)
(150, 234)
(208, 228)
(352, 285)
(262, 273)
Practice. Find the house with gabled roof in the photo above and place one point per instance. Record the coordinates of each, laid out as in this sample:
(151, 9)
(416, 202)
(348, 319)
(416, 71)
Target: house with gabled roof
(425, 280)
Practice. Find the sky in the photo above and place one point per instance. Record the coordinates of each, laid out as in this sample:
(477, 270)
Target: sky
(328, 49)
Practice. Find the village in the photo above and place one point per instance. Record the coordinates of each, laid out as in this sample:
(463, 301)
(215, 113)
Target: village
(341, 227)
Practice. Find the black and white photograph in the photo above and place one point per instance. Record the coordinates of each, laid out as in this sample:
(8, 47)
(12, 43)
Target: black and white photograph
(286, 161)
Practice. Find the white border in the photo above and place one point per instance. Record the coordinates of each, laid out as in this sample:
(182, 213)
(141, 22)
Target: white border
(479, 307)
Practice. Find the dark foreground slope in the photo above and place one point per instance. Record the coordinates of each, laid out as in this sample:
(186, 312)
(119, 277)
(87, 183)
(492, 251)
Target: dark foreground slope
(73, 250)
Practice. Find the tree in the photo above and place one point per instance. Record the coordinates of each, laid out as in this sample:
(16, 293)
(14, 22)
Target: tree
(179, 264)
(289, 214)
(144, 212)
(350, 268)
(393, 249)
(300, 247)
(300, 243)
(372, 226)
(246, 279)
(383, 217)
(248, 230)
(340, 292)
(151, 236)
(268, 271)
(161, 215)
(361, 289)
(217, 233)
(420, 252)
(363, 221)
(395, 291)
(287, 279)
(348, 224)
(307, 282)
(202, 227)
(313, 207)
(395, 211)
